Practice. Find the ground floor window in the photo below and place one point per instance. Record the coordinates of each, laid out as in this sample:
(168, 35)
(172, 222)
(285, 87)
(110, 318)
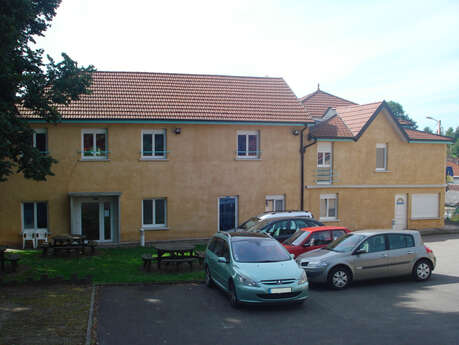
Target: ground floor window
(275, 203)
(154, 213)
(35, 215)
(425, 206)
(328, 206)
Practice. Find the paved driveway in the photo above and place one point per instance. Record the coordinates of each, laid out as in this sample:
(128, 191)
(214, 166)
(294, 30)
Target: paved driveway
(395, 311)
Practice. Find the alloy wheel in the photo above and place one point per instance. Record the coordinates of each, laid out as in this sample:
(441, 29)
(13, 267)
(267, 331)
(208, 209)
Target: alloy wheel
(423, 271)
(340, 279)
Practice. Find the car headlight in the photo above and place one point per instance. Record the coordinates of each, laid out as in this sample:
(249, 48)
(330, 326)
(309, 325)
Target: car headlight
(317, 264)
(303, 278)
(246, 280)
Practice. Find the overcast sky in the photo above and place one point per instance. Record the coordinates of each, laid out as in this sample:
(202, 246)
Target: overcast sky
(364, 51)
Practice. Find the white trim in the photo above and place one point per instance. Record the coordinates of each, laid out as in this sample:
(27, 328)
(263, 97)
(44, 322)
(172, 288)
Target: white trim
(246, 156)
(153, 132)
(328, 197)
(35, 217)
(274, 198)
(324, 148)
(382, 146)
(40, 131)
(361, 186)
(94, 131)
(155, 226)
(236, 209)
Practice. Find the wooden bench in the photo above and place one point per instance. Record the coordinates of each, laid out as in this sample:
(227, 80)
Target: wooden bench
(13, 259)
(147, 260)
(200, 256)
(177, 261)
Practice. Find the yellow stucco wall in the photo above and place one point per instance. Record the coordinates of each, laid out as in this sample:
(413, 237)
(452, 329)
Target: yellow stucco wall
(354, 164)
(201, 167)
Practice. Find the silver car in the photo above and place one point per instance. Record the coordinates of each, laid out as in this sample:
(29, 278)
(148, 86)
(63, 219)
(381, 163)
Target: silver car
(369, 254)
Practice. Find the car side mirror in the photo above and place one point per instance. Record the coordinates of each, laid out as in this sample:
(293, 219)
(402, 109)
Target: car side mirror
(222, 260)
(360, 251)
(292, 256)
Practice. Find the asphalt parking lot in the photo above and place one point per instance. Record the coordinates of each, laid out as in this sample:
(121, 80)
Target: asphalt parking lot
(390, 311)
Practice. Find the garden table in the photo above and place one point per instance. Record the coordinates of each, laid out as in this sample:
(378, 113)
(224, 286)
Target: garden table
(68, 242)
(175, 253)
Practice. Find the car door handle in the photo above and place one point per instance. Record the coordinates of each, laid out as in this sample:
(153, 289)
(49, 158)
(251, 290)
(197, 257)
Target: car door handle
(385, 255)
(410, 252)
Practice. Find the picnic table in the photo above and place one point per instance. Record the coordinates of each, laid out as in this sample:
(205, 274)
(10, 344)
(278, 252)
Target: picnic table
(66, 242)
(172, 253)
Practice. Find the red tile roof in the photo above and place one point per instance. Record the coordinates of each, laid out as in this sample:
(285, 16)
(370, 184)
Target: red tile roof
(419, 135)
(317, 103)
(356, 116)
(332, 128)
(168, 96)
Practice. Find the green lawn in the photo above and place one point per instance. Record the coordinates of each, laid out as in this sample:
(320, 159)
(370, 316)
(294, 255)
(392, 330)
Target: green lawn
(109, 265)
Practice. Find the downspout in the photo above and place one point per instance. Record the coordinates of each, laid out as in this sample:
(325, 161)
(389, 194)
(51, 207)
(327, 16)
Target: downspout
(302, 152)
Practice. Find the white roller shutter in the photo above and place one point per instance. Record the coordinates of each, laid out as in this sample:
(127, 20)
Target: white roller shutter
(424, 206)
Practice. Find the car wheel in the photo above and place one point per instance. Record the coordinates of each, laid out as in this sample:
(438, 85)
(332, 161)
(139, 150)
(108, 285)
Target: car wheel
(234, 301)
(209, 281)
(339, 278)
(422, 270)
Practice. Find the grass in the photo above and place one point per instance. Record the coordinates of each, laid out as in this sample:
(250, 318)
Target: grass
(54, 315)
(109, 265)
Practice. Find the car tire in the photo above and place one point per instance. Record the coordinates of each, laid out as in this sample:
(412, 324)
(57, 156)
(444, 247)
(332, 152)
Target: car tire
(339, 278)
(209, 281)
(422, 270)
(234, 301)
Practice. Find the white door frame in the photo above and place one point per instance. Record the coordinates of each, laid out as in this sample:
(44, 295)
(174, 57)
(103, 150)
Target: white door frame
(101, 202)
(236, 209)
(400, 204)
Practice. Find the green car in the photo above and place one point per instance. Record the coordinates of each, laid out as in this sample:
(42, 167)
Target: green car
(254, 268)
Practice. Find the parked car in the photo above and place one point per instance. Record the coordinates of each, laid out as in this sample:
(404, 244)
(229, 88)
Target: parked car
(369, 254)
(253, 268)
(267, 215)
(307, 239)
(283, 228)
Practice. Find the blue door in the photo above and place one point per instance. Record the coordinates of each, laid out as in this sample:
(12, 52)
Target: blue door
(227, 213)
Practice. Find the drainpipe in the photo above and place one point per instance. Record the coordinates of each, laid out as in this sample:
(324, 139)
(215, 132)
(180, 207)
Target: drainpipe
(302, 152)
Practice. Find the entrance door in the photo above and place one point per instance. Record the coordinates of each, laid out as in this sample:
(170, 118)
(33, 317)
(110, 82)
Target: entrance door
(227, 213)
(400, 212)
(96, 220)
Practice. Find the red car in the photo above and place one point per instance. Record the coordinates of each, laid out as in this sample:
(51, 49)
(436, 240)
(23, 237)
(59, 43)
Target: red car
(307, 239)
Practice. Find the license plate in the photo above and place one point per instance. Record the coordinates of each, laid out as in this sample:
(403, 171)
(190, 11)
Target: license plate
(280, 290)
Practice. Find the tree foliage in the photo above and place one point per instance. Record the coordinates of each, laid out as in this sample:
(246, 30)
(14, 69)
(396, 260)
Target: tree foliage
(453, 150)
(428, 130)
(399, 113)
(28, 84)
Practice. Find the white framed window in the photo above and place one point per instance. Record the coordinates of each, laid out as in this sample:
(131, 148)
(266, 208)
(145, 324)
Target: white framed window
(425, 206)
(274, 203)
(154, 144)
(35, 215)
(381, 157)
(154, 213)
(324, 155)
(328, 207)
(40, 139)
(94, 144)
(248, 144)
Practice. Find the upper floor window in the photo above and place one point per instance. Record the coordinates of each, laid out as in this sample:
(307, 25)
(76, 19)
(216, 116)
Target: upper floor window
(275, 203)
(328, 207)
(154, 213)
(324, 155)
(154, 144)
(40, 140)
(248, 144)
(94, 144)
(381, 157)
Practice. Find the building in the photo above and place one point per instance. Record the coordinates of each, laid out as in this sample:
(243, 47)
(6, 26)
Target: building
(183, 156)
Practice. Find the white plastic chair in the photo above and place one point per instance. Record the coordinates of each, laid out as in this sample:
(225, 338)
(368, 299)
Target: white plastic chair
(41, 235)
(28, 235)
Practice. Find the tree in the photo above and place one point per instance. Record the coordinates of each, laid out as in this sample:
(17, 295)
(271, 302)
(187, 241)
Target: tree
(428, 130)
(399, 113)
(29, 84)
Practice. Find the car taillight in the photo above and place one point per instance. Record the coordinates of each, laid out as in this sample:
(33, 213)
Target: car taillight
(428, 250)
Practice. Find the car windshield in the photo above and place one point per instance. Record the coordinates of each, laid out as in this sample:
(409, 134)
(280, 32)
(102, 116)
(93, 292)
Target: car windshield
(249, 223)
(297, 238)
(258, 250)
(260, 225)
(345, 243)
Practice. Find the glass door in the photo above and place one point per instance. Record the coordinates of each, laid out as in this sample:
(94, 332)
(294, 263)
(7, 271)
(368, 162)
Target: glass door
(227, 213)
(96, 220)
